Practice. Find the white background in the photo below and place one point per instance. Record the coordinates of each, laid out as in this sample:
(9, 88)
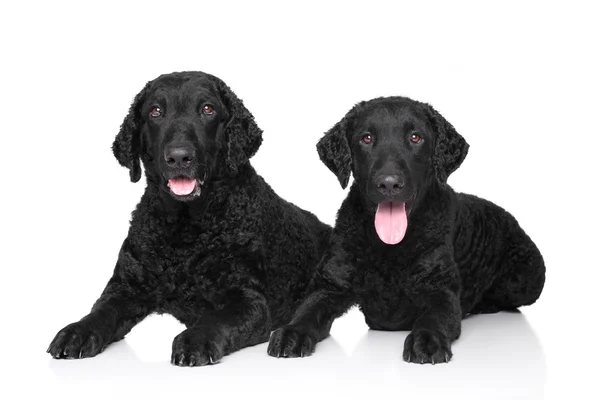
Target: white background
(519, 80)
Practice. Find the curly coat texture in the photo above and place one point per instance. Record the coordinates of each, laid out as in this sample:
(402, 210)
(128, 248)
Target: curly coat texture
(232, 265)
(461, 254)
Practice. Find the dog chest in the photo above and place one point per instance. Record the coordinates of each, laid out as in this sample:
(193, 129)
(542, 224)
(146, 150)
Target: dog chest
(380, 283)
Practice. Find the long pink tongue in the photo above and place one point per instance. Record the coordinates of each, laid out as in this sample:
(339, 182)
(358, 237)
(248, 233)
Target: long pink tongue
(182, 186)
(390, 222)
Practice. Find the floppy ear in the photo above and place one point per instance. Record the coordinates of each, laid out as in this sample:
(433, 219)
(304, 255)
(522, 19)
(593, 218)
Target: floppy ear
(450, 148)
(242, 134)
(126, 146)
(334, 151)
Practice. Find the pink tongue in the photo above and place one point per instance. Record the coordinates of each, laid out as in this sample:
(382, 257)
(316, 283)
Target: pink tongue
(182, 186)
(390, 222)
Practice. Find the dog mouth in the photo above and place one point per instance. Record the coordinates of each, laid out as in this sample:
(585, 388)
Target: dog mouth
(391, 221)
(185, 188)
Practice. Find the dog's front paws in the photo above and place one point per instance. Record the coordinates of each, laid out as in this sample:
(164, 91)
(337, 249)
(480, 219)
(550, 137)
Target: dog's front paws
(292, 341)
(427, 346)
(198, 346)
(76, 340)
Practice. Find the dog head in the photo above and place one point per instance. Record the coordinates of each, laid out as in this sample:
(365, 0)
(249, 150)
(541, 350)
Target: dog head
(394, 147)
(187, 128)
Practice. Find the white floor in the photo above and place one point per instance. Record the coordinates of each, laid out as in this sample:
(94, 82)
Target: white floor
(498, 357)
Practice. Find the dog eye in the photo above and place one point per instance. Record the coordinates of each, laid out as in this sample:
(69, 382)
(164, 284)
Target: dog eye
(155, 112)
(208, 109)
(367, 138)
(415, 138)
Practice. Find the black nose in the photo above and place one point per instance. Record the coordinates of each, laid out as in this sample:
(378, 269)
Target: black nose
(179, 157)
(389, 185)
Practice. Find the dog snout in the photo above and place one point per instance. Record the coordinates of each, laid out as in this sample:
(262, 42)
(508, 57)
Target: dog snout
(179, 156)
(389, 185)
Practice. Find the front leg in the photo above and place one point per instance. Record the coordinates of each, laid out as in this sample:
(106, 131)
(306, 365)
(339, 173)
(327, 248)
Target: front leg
(310, 325)
(118, 309)
(123, 303)
(434, 331)
(435, 289)
(331, 296)
(243, 321)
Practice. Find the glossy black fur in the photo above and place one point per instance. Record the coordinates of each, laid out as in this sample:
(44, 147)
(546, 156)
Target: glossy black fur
(461, 254)
(231, 263)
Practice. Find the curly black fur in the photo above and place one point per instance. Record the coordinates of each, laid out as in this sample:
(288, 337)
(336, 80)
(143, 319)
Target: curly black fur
(460, 255)
(231, 261)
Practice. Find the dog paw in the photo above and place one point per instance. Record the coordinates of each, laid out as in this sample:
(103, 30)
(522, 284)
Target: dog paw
(427, 346)
(291, 341)
(196, 347)
(76, 340)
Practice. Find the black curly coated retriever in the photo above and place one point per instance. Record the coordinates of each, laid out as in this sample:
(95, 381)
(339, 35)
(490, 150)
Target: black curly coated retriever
(209, 242)
(411, 252)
